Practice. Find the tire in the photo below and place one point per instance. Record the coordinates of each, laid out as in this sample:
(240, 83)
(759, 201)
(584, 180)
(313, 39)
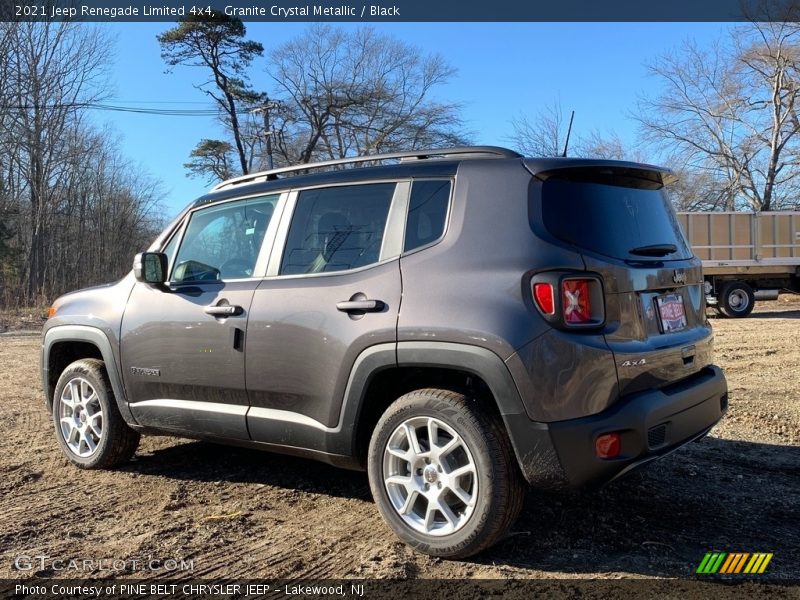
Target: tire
(482, 502)
(736, 299)
(91, 433)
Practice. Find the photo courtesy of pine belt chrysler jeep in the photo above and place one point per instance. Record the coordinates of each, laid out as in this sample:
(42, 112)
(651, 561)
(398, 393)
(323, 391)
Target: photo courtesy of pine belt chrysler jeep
(460, 323)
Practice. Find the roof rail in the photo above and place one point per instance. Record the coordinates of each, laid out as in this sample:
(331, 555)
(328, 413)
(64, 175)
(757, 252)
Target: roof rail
(458, 152)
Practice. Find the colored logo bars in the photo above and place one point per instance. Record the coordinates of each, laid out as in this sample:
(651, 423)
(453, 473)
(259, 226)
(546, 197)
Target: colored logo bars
(734, 563)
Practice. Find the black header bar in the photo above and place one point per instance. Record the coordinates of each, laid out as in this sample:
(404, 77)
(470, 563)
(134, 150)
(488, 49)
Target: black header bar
(372, 11)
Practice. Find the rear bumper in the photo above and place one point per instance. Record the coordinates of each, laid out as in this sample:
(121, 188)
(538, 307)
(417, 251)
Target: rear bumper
(651, 424)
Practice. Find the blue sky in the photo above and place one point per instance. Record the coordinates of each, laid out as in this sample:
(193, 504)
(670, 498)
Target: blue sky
(504, 69)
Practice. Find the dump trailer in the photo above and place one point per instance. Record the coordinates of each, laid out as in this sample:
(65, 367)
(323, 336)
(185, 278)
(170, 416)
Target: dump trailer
(746, 256)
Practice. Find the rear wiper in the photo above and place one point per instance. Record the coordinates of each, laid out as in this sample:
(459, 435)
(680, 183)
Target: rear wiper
(655, 250)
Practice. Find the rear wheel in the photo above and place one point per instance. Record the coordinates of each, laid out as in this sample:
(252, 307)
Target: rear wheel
(89, 428)
(443, 474)
(736, 299)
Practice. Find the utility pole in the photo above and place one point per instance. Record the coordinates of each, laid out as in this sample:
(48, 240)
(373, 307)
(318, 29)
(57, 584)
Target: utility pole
(268, 106)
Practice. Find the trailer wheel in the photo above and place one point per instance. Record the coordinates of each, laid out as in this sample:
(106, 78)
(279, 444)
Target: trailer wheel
(736, 299)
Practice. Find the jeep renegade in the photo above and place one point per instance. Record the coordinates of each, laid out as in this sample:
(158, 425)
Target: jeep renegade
(457, 322)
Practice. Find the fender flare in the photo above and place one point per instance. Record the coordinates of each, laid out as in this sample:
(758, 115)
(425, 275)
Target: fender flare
(96, 337)
(446, 355)
(530, 440)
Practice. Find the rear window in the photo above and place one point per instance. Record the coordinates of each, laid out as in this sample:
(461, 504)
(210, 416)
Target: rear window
(618, 217)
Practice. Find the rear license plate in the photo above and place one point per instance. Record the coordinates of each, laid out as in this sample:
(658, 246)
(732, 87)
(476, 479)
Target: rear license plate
(671, 312)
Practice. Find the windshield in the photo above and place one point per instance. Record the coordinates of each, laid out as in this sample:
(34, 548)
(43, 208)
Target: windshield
(624, 218)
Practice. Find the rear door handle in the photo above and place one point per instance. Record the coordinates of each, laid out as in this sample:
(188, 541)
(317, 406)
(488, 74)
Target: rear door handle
(226, 310)
(360, 305)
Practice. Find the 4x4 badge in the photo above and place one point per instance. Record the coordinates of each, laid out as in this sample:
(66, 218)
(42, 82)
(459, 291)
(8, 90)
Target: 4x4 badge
(679, 276)
(634, 363)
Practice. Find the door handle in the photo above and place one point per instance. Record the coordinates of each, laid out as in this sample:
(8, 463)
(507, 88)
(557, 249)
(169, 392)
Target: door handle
(226, 310)
(360, 305)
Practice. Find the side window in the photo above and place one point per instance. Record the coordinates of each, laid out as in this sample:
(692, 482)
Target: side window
(223, 242)
(427, 212)
(336, 229)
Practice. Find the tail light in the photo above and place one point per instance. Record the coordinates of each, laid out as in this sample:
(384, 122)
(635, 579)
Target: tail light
(576, 301)
(569, 301)
(545, 297)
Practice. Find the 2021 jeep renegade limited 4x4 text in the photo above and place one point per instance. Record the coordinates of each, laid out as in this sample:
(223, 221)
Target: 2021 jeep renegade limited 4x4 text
(458, 322)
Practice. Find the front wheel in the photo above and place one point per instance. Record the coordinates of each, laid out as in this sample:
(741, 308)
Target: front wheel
(89, 428)
(443, 473)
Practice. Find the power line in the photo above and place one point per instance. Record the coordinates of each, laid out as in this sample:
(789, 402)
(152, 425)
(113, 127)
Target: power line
(172, 112)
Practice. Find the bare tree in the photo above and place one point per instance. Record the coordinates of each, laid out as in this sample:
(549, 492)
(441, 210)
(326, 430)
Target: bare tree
(346, 93)
(543, 134)
(731, 111)
(56, 69)
(72, 211)
(218, 43)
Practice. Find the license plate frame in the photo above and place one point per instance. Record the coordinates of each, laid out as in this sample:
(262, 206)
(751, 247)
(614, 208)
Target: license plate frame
(671, 313)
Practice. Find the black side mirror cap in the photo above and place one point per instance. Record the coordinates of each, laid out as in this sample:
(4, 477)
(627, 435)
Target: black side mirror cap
(150, 267)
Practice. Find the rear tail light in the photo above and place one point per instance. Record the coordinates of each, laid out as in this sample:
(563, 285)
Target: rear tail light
(545, 297)
(569, 301)
(576, 301)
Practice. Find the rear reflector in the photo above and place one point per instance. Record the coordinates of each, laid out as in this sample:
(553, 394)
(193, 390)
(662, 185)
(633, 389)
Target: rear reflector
(607, 445)
(545, 297)
(576, 300)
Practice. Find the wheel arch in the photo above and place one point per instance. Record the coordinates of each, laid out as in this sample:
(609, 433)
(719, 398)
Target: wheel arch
(65, 344)
(379, 378)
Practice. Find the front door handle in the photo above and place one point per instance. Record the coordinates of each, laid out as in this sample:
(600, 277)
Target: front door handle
(225, 310)
(360, 306)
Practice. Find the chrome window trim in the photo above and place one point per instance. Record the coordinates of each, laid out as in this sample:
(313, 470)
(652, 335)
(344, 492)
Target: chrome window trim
(281, 234)
(395, 231)
(267, 244)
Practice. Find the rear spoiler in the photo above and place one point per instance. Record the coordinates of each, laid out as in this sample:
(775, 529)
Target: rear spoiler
(596, 170)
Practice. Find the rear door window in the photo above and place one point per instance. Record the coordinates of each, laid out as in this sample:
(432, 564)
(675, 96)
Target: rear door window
(337, 229)
(619, 217)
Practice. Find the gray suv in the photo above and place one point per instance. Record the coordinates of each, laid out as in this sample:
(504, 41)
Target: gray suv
(457, 322)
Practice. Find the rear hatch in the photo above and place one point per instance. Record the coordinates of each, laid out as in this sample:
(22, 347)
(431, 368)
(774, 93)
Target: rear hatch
(619, 218)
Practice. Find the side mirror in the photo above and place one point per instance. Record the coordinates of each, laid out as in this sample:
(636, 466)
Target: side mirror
(150, 267)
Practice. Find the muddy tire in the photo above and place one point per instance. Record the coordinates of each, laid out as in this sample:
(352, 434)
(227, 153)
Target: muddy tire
(443, 474)
(88, 425)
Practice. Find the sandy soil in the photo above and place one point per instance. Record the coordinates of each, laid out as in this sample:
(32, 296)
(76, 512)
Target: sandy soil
(241, 513)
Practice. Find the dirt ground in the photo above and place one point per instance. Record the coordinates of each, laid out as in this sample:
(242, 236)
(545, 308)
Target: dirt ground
(240, 513)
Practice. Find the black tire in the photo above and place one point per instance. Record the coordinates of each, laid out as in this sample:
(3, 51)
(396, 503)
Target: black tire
(736, 299)
(498, 490)
(115, 443)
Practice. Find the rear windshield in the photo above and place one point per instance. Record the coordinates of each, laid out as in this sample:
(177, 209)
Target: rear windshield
(623, 218)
